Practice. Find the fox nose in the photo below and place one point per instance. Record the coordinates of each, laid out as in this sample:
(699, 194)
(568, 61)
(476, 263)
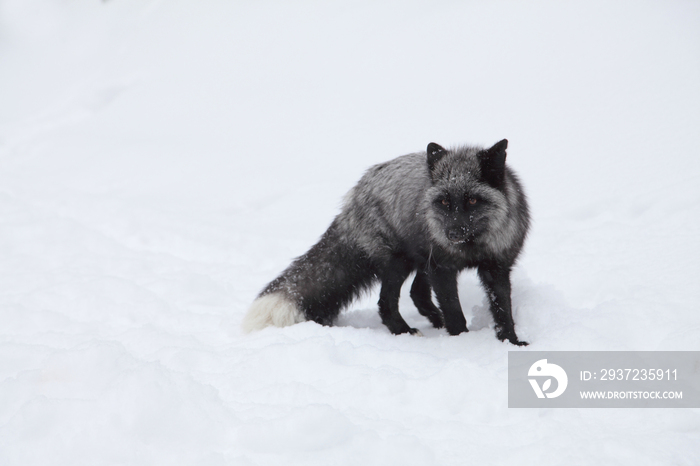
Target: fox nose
(456, 234)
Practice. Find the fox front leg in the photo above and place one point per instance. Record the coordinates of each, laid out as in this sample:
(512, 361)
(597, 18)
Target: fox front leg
(444, 282)
(496, 280)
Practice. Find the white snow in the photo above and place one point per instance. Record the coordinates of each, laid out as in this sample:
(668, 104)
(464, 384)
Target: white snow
(160, 162)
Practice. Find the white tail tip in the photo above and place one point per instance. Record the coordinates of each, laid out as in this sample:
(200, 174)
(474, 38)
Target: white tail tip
(273, 309)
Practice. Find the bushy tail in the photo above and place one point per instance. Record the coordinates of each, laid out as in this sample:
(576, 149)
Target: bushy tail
(315, 287)
(273, 309)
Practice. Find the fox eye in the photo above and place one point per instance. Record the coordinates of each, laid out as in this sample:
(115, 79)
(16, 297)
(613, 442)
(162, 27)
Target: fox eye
(472, 201)
(445, 202)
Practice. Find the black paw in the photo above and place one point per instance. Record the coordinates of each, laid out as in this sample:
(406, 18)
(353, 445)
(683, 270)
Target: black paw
(436, 320)
(517, 342)
(433, 314)
(416, 332)
(457, 331)
(511, 337)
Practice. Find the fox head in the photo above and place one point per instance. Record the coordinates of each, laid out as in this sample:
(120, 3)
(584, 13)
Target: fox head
(468, 196)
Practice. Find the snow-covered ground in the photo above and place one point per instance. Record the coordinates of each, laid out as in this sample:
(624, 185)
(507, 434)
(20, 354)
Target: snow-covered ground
(161, 161)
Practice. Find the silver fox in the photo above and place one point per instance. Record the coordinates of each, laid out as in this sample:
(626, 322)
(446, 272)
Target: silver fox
(434, 213)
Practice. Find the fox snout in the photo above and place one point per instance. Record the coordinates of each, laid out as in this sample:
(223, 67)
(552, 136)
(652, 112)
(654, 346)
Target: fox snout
(465, 229)
(457, 234)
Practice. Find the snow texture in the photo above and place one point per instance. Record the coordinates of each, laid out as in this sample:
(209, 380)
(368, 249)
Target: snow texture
(160, 162)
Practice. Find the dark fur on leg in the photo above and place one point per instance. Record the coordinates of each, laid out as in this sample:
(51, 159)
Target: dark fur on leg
(444, 283)
(392, 278)
(496, 280)
(422, 298)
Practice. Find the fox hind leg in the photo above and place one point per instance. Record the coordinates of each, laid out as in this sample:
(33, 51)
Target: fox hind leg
(422, 298)
(392, 278)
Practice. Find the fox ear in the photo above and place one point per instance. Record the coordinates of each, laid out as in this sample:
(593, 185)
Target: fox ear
(435, 153)
(493, 163)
